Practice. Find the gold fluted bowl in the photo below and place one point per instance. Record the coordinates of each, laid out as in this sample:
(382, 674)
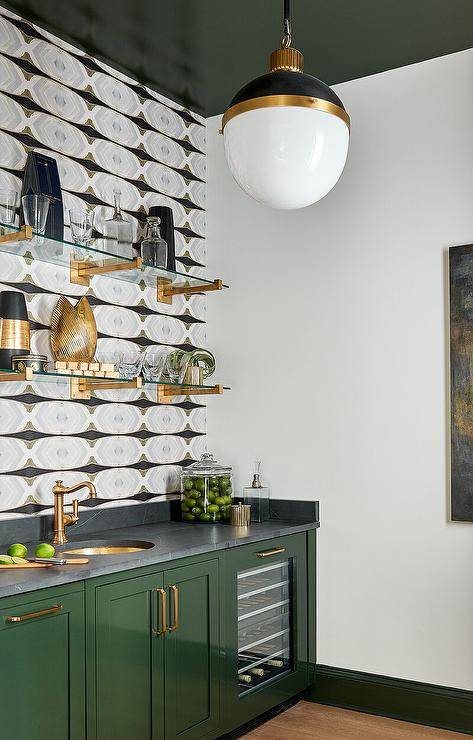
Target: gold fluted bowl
(73, 331)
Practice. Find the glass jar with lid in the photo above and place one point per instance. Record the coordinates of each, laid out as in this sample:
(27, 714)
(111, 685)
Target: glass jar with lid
(206, 491)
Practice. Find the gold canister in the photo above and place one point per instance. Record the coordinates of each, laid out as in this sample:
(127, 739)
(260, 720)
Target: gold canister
(14, 327)
(194, 375)
(240, 515)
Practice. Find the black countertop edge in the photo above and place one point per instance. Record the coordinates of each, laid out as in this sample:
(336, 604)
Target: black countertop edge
(171, 540)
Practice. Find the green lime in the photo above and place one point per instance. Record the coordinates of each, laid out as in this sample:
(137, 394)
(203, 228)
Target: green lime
(196, 510)
(44, 550)
(17, 551)
(188, 517)
(188, 485)
(190, 502)
(200, 484)
(211, 496)
(194, 493)
(213, 508)
(184, 507)
(217, 517)
(220, 501)
(6, 560)
(205, 518)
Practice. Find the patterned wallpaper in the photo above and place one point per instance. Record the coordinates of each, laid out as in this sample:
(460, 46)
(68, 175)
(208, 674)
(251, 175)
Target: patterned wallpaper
(106, 132)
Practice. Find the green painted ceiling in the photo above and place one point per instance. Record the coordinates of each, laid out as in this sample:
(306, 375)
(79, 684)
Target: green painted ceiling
(200, 52)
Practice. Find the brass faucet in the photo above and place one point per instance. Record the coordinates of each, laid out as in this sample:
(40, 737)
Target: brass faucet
(62, 520)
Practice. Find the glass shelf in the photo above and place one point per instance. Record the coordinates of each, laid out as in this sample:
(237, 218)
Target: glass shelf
(82, 386)
(98, 258)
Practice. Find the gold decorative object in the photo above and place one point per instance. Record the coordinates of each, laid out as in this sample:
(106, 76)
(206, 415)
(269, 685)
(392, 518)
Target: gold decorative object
(240, 515)
(96, 369)
(73, 331)
(38, 363)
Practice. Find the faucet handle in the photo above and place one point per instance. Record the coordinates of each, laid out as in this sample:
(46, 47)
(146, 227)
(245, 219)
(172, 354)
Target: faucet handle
(74, 517)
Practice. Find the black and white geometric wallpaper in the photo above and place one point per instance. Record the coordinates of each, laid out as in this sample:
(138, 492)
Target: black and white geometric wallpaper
(106, 132)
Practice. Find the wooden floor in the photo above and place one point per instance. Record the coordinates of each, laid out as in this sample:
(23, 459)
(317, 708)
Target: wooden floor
(307, 720)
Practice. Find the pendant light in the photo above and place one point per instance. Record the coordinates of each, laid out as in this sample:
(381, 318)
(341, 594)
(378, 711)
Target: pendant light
(286, 133)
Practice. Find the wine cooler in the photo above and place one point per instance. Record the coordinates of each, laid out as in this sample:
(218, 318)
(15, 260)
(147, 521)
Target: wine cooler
(264, 623)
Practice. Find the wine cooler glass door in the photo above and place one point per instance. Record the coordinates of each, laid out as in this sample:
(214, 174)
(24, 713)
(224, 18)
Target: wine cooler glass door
(265, 615)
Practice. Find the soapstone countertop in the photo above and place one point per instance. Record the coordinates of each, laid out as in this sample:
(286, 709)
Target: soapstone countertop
(171, 540)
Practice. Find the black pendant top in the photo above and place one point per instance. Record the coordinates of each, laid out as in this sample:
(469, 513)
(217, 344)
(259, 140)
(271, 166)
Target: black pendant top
(284, 82)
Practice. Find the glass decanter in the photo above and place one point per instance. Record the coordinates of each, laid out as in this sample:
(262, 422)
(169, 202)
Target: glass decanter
(119, 229)
(154, 249)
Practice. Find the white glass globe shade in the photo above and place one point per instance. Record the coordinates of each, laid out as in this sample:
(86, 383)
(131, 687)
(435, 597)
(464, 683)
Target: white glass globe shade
(286, 156)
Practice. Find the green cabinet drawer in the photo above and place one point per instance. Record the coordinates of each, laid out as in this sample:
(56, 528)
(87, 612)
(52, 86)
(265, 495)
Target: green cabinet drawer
(42, 649)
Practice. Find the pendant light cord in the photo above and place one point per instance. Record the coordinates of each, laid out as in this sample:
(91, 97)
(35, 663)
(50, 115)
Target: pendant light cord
(287, 38)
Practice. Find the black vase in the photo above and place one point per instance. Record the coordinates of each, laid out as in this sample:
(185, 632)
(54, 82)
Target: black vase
(42, 178)
(14, 327)
(167, 231)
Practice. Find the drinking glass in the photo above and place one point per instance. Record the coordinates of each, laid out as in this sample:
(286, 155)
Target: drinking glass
(35, 211)
(81, 223)
(130, 363)
(153, 364)
(175, 366)
(8, 204)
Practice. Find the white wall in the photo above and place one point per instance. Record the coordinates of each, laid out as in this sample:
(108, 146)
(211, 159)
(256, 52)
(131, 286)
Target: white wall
(333, 338)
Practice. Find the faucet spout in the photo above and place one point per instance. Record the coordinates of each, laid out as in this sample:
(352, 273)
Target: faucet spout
(62, 520)
(61, 490)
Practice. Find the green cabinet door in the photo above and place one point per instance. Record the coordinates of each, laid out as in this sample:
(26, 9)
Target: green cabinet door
(42, 658)
(192, 649)
(129, 688)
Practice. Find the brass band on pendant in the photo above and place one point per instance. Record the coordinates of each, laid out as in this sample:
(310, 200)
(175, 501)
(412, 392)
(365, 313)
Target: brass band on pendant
(14, 334)
(274, 101)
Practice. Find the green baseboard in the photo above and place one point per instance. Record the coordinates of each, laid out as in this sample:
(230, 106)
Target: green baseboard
(426, 704)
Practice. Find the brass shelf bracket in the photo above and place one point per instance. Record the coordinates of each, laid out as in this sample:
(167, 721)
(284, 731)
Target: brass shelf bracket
(167, 392)
(24, 234)
(26, 374)
(81, 388)
(167, 289)
(81, 270)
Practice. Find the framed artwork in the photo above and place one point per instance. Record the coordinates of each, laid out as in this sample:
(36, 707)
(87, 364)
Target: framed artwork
(461, 381)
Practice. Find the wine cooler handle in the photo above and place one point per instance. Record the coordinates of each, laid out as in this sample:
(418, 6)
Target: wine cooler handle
(268, 553)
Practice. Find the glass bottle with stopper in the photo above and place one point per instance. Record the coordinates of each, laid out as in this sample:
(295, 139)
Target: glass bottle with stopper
(257, 496)
(117, 229)
(154, 249)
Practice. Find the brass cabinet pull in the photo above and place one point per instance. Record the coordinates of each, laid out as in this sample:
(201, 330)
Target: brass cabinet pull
(164, 628)
(33, 615)
(267, 553)
(175, 608)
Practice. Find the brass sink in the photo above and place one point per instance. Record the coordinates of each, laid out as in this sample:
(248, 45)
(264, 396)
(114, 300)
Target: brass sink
(106, 547)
